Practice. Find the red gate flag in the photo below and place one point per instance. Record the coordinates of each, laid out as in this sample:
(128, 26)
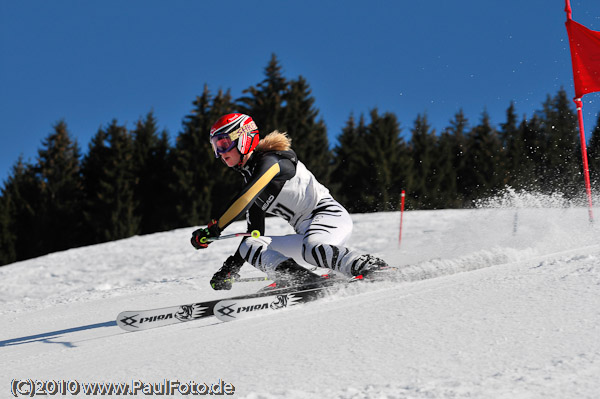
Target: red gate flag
(585, 57)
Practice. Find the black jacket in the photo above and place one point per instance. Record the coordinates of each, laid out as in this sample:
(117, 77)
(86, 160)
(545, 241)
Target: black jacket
(265, 174)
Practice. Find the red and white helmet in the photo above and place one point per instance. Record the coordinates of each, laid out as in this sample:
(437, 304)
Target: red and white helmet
(233, 130)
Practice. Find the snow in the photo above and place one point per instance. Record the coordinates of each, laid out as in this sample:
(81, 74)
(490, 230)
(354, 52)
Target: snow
(497, 302)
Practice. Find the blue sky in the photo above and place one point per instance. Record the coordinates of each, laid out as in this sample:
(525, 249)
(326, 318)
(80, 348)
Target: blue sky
(89, 62)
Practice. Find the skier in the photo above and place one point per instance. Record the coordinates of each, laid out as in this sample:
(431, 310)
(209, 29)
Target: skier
(277, 183)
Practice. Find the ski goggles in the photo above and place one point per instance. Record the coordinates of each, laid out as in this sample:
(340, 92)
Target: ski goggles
(222, 143)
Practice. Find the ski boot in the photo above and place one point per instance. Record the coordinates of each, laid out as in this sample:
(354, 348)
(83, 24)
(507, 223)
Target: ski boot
(370, 268)
(223, 279)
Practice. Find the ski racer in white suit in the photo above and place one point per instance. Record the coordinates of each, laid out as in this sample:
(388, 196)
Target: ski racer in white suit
(277, 183)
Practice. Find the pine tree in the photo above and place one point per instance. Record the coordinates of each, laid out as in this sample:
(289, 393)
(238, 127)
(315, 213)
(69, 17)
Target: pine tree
(483, 160)
(446, 181)
(561, 158)
(151, 160)
(441, 187)
(95, 208)
(349, 162)
(58, 167)
(22, 195)
(525, 156)
(456, 135)
(309, 136)
(385, 157)
(109, 184)
(266, 101)
(513, 148)
(422, 153)
(200, 186)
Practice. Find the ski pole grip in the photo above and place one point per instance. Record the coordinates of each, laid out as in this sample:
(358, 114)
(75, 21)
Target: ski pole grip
(255, 234)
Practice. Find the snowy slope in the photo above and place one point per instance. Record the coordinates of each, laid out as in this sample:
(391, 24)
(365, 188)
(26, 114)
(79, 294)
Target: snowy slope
(501, 302)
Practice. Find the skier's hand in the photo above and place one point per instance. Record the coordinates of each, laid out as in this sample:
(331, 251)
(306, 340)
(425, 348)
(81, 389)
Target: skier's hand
(222, 281)
(224, 278)
(201, 237)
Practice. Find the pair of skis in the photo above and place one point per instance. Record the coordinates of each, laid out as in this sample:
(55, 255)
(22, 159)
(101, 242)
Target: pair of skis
(224, 309)
(227, 309)
(233, 308)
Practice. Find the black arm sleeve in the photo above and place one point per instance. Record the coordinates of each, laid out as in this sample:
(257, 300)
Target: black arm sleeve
(256, 219)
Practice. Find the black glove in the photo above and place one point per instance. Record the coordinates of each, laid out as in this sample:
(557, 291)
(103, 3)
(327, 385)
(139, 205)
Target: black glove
(200, 237)
(224, 278)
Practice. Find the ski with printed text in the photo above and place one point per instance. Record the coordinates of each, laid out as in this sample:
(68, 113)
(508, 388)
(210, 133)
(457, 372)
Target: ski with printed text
(227, 309)
(240, 308)
(152, 318)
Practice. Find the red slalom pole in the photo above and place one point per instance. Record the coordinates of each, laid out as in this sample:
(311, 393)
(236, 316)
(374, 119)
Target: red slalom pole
(586, 169)
(586, 81)
(402, 196)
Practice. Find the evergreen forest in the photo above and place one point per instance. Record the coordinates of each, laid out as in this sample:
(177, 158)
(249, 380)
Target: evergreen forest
(133, 180)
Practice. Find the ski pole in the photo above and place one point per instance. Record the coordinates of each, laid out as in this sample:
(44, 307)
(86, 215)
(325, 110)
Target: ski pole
(254, 234)
(246, 279)
(249, 279)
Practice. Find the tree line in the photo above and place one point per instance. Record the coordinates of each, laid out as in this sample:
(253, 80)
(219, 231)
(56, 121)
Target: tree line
(133, 181)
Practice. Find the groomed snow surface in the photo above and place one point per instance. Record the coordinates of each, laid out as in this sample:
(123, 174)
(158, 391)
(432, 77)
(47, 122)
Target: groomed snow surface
(497, 302)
